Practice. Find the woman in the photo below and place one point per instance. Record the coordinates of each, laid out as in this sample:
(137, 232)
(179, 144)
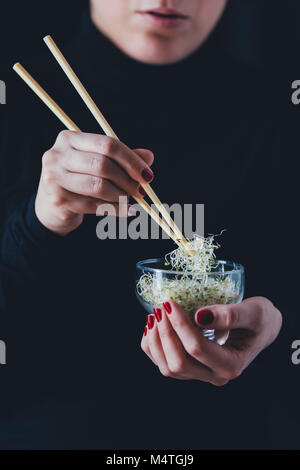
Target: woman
(156, 69)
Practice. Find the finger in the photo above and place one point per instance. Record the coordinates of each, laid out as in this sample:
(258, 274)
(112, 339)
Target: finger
(221, 360)
(179, 363)
(145, 345)
(146, 155)
(91, 186)
(81, 204)
(114, 209)
(155, 347)
(245, 315)
(100, 166)
(87, 205)
(221, 336)
(130, 161)
(73, 202)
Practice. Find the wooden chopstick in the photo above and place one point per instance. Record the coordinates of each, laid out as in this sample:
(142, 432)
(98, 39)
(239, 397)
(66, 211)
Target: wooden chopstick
(109, 131)
(69, 124)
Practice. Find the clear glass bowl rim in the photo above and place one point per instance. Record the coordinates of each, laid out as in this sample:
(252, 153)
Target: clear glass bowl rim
(142, 265)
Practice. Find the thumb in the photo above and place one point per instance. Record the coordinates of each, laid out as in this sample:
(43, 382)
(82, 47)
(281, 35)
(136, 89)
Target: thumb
(226, 317)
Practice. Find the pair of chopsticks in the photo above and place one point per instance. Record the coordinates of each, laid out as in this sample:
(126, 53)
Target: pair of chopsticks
(171, 229)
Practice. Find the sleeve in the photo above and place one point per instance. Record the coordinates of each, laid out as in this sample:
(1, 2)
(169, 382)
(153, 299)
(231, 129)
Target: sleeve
(28, 250)
(26, 244)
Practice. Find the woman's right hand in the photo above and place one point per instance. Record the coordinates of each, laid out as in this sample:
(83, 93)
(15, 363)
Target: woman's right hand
(83, 171)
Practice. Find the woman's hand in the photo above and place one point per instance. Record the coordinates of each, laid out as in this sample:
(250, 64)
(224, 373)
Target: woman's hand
(178, 348)
(83, 171)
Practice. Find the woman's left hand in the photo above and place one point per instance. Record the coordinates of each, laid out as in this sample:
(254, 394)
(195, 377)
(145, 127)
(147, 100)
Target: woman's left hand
(178, 348)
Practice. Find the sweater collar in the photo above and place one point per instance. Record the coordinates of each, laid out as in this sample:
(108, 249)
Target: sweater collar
(98, 54)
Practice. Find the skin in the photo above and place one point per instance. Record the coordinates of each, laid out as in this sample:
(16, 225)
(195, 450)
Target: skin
(178, 348)
(83, 172)
(122, 23)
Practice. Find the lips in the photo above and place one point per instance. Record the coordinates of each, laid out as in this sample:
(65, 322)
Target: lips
(164, 17)
(165, 13)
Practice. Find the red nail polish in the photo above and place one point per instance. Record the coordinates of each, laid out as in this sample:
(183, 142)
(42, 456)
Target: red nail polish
(142, 191)
(145, 331)
(147, 175)
(158, 314)
(168, 307)
(150, 321)
(205, 317)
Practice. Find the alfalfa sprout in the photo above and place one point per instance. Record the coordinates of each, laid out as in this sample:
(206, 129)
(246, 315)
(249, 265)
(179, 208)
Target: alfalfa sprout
(192, 287)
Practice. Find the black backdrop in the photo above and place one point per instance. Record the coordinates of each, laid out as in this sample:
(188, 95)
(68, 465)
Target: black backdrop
(258, 30)
(265, 32)
(261, 31)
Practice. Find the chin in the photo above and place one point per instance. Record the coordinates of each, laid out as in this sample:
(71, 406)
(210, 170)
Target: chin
(158, 51)
(158, 59)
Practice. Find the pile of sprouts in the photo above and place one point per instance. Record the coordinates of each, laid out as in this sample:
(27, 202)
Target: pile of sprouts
(192, 287)
(197, 264)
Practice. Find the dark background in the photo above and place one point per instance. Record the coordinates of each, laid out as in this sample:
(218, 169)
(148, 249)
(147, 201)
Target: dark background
(264, 32)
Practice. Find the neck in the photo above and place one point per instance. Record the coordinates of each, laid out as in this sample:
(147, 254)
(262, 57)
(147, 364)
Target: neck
(145, 47)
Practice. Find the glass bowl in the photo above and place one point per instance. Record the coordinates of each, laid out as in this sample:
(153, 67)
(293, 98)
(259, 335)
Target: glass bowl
(155, 284)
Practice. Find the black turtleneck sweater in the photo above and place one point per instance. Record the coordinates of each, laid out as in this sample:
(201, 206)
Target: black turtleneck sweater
(75, 375)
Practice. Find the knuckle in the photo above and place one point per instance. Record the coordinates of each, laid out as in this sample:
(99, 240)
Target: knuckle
(232, 373)
(232, 318)
(104, 166)
(177, 367)
(107, 145)
(96, 165)
(259, 318)
(262, 309)
(95, 186)
(164, 335)
(194, 349)
(263, 300)
(219, 382)
(48, 177)
(150, 158)
(135, 189)
(146, 155)
(165, 372)
(49, 158)
(64, 136)
(64, 217)
(179, 323)
(57, 200)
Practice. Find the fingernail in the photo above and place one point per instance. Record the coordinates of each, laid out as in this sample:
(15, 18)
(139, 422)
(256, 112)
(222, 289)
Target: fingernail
(150, 321)
(205, 317)
(131, 211)
(142, 191)
(147, 175)
(168, 307)
(158, 314)
(145, 331)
